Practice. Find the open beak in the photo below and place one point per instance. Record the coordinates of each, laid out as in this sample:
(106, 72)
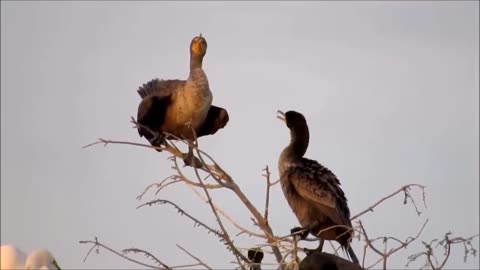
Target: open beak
(281, 116)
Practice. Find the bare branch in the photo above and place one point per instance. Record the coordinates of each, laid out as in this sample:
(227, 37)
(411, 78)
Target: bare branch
(194, 257)
(147, 254)
(226, 236)
(281, 247)
(98, 244)
(232, 221)
(267, 195)
(446, 243)
(404, 189)
(183, 212)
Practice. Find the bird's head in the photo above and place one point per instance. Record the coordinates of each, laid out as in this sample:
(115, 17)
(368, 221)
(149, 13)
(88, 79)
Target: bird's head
(292, 118)
(198, 46)
(41, 259)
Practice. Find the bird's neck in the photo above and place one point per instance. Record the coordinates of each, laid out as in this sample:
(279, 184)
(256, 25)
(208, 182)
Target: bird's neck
(195, 61)
(296, 148)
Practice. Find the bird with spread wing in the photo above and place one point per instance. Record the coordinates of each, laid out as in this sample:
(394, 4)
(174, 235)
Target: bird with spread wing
(180, 108)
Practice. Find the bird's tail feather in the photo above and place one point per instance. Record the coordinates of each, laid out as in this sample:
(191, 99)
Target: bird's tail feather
(351, 254)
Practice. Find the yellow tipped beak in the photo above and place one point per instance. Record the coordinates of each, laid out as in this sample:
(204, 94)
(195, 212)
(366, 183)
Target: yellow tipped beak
(281, 115)
(196, 47)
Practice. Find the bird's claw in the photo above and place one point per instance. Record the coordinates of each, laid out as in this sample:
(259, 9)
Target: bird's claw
(156, 140)
(192, 161)
(299, 231)
(308, 251)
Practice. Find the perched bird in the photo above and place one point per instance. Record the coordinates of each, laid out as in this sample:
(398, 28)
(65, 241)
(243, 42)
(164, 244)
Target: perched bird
(313, 191)
(178, 106)
(318, 260)
(255, 255)
(12, 258)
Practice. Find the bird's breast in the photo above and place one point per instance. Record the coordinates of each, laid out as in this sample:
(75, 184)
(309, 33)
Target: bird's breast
(191, 105)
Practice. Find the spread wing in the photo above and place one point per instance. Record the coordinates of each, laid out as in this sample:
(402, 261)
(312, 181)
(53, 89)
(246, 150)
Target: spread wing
(217, 118)
(320, 186)
(160, 87)
(156, 97)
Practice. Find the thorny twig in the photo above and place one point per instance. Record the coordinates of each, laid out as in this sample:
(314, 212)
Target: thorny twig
(238, 255)
(147, 254)
(97, 244)
(405, 189)
(221, 177)
(242, 229)
(183, 213)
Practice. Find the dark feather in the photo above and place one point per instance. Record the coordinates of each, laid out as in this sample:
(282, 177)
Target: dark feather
(217, 118)
(319, 180)
(151, 114)
(160, 87)
(156, 97)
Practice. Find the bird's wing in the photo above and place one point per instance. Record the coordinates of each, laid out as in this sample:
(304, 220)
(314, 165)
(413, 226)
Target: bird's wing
(217, 118)
(160, 87)
(319, 185)
(313, 190)
(156, 97)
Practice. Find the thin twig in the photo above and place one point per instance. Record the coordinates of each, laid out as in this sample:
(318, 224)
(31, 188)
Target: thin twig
(183, 212)
(147, 254)
(98, 244)
(194, 257)
(267, 195)
(370, 209)
(226, 237)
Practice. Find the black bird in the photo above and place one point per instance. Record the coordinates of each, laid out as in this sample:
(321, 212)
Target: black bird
(324, 261)
(313, 191)
(178, 106)
(255, 255)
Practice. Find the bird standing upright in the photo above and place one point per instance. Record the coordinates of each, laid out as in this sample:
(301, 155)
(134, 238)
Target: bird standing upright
(313, 191)
(178, 106)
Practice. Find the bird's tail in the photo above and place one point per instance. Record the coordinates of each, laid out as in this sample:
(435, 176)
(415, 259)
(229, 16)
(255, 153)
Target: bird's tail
(350, 253)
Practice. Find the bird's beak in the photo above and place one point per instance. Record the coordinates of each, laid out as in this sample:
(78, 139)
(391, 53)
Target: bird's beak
(56, 265)
(200, 35)
(281, 115)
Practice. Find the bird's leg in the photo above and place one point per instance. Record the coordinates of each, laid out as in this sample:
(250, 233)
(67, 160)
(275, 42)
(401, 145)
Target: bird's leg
(309, 251)
(299, 231)
(303, 232)
(320, 245)
(191, 160)
(156, 139)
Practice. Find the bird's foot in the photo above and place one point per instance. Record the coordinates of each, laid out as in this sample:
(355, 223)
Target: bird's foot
(308, 251)
(192, 161)
(299, 231)
(157, 140)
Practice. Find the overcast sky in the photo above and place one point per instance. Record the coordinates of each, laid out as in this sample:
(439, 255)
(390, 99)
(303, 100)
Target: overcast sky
(390, 91)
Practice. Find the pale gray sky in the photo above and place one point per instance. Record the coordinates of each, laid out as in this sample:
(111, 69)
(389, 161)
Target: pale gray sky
(390, 91)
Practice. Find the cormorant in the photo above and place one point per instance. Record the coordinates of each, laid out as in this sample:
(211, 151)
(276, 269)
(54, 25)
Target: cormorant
(177, 106)
(313, 191)
(255, 255)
